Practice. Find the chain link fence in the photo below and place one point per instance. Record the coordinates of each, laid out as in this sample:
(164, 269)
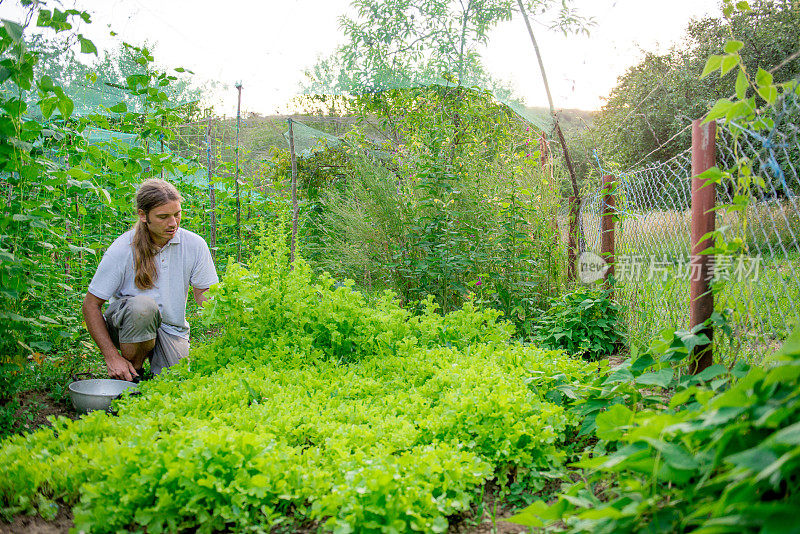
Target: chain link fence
(759, 289)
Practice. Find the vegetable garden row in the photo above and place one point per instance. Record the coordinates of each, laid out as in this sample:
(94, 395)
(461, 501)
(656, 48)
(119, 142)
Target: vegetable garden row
(313, 407)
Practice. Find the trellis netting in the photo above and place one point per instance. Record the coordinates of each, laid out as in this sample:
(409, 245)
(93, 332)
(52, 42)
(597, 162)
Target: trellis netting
(211, 159)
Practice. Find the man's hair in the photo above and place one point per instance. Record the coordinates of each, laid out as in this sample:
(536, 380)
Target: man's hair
(152, 194)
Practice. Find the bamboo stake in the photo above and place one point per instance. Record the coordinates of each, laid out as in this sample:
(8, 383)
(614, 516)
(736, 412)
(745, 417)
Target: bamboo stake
(238, 198)
(567, 159)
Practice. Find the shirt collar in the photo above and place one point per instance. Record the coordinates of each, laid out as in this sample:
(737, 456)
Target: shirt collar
(176, 238)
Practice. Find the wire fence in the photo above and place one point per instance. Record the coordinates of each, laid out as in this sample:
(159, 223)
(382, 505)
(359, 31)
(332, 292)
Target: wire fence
(758, 289)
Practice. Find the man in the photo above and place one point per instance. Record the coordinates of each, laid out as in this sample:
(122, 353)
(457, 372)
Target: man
(147, 272)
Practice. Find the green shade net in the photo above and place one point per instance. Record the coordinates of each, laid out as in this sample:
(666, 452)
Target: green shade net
(308, 140)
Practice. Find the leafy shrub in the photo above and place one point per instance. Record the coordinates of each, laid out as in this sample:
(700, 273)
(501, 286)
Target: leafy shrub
(723, 456)
(461, 196)
(584, 322)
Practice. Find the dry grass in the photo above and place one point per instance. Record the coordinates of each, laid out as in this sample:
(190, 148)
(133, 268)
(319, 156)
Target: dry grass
(762, 310)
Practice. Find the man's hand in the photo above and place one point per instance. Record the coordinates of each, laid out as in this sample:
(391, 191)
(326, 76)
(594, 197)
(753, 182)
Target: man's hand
(120, 368)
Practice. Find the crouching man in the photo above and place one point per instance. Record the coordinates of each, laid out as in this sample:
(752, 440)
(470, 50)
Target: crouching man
(146, 274)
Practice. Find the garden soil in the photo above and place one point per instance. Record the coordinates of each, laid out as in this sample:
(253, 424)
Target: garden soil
(36, 525)
(36, 406)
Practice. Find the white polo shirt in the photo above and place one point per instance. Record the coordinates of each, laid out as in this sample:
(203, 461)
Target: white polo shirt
(184, 261)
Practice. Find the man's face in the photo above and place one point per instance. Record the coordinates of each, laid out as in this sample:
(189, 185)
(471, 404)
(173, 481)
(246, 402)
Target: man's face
(162, 221)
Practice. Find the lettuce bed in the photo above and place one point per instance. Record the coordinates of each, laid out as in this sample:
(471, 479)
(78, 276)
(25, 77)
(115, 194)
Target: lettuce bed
(281, 420)
(391, 444)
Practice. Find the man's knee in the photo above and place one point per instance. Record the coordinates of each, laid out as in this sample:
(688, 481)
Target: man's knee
(142, 308)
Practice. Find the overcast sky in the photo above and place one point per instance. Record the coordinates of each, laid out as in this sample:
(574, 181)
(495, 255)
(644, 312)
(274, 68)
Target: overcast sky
(268, 44)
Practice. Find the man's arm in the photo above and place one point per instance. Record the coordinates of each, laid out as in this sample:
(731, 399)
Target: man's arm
(199, 295)
(118, 367)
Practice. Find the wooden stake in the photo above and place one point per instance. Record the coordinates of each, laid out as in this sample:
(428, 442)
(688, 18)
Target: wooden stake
(295, 209)
(211, 196)
(576, 237)
(572, 247)
(607, 225)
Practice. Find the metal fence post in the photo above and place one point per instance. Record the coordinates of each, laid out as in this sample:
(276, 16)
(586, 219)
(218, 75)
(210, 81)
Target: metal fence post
(703, 221)
(607, 225)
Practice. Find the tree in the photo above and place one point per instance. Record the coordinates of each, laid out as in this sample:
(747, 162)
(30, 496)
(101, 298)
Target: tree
(403, 43)
(656, 99)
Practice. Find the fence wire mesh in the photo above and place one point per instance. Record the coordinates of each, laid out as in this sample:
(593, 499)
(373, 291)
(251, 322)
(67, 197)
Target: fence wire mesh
(653, 231)
(759, 289)
(765, 306)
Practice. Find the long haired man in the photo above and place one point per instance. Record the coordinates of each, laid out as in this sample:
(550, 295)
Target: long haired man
(145, 275)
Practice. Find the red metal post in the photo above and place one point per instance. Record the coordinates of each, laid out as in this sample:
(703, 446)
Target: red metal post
(572, 242)
(703, 221)
(607, 225)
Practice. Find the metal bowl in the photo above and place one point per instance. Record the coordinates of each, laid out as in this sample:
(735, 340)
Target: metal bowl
(96, 393)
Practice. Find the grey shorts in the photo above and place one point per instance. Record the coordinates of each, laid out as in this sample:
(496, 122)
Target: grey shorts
(137, 319)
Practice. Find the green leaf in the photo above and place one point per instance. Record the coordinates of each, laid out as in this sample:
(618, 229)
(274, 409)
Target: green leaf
(713, 63)
(713, 174)
(720, 109)
(47, 106)
(119, 108)
(729, 62)
(79, 174)
(738, 110)
(741, 85)
(676, 456)
(620, 375)
(660, 378)
(788, 436)
(612, 422)
(755, 459)
(769, 93)
(712, 372)
(13, 30)
(763, 78)
(87, 46)
(65, 107)
(732, 47)
(531, 516)
(783, 374)
(642, 362)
